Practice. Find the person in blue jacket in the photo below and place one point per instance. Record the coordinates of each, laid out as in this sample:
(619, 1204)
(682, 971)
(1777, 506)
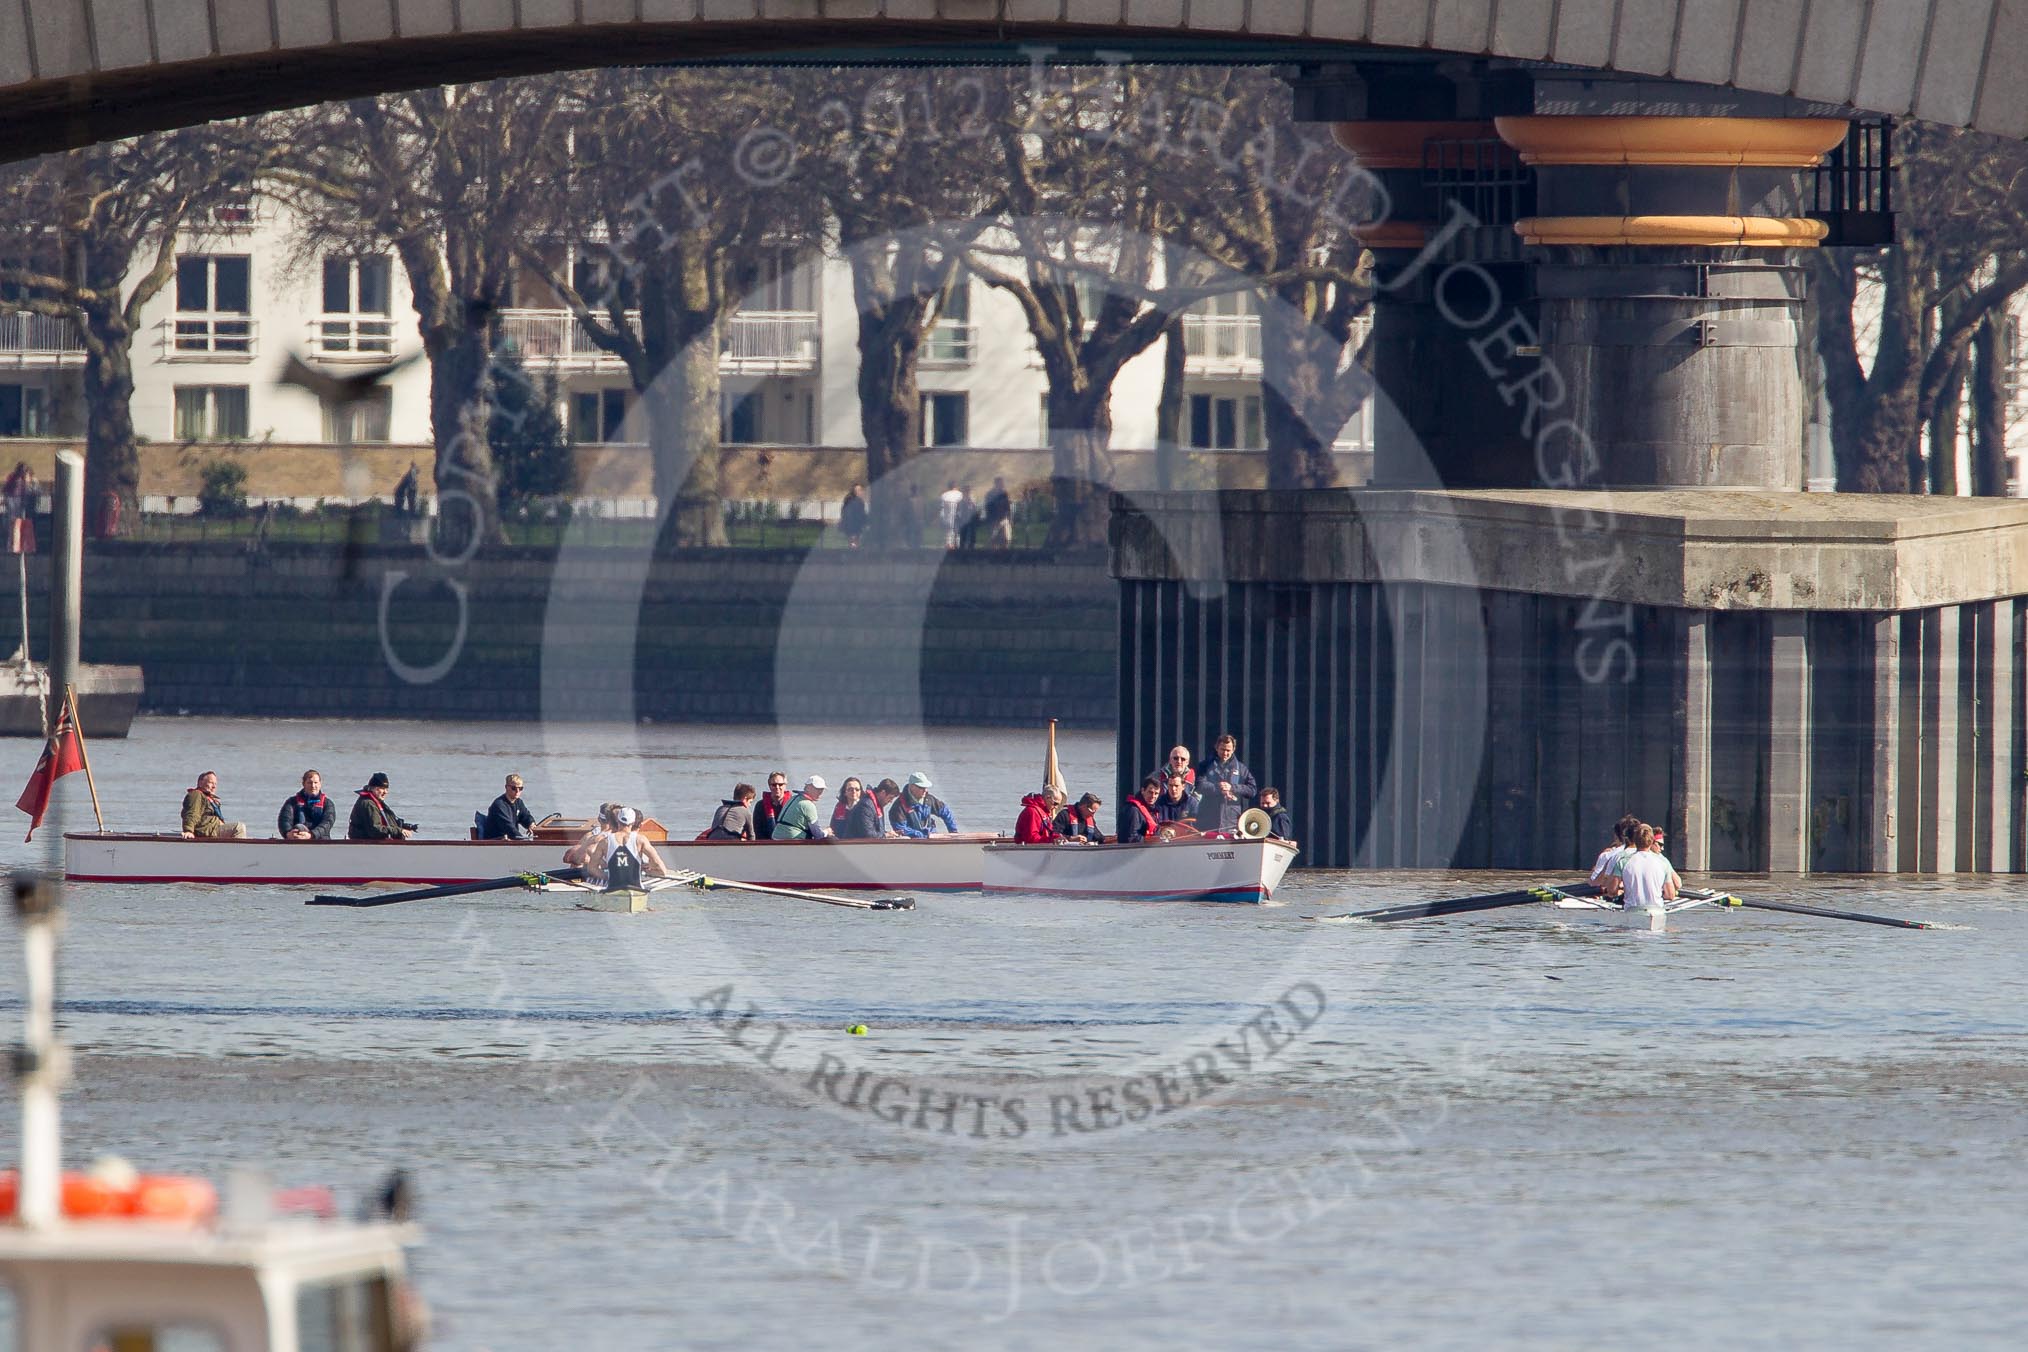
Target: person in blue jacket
(917, 811)
(1225, 786)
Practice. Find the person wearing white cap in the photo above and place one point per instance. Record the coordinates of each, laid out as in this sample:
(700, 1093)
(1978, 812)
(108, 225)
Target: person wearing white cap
(917, 811)
(798, 821)
(624, 854)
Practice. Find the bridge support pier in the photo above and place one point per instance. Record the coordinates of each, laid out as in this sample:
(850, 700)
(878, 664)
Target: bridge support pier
(1488, 678)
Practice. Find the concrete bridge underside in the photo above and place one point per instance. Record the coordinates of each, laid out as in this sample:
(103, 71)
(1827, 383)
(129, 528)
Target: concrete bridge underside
(75, 71)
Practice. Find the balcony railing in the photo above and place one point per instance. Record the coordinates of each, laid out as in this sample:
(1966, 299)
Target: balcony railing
(212, 337)
(351, 338)
(1221, 343)
(38, 340)
(771, 341)
(761, 343)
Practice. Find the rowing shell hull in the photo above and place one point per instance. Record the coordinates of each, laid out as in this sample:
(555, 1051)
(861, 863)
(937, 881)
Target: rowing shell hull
(1176, 870)
(939, 864)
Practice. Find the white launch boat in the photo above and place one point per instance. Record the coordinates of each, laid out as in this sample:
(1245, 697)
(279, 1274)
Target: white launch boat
(1200, 868)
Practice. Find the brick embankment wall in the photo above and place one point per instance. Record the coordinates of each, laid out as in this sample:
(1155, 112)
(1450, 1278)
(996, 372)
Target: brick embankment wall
(730, 635)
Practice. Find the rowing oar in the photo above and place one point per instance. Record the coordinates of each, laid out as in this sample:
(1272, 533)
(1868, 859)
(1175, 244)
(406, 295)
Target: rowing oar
(1825, 913)
(1454, 906)
(701, 882)
(562, 875)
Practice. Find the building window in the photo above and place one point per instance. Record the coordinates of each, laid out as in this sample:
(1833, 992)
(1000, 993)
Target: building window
(211, 412)
(740, 418)
(597, 415)
(214, 299)
(366, 419)
(944, 419)
(786, 284)
(24, 411)
(1221, 422)
(950, 336)
(357, 307)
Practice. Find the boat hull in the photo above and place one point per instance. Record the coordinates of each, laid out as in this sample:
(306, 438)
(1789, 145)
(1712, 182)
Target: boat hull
(1244, 871)
(939, 864)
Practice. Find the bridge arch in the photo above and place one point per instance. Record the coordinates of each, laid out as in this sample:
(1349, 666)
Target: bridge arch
(74, 71)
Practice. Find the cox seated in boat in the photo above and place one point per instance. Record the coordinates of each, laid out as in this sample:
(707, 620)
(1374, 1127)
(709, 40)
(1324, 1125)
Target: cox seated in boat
(616, 859)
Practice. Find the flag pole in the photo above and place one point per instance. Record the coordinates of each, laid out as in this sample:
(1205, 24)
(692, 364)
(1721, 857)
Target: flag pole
(77, 730)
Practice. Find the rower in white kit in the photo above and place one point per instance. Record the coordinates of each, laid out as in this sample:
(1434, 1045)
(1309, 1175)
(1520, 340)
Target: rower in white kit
(1647, 879)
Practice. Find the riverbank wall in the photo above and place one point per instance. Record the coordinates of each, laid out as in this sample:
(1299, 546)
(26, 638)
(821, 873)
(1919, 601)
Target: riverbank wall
(738, 635)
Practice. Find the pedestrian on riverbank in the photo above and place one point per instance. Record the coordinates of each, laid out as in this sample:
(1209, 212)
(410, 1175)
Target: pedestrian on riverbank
(509, 817)
(309, 814)
(947, 512)
(734, 818)
(999, 515)
(1226, 785)
(372, 818)
(968, 521)
(852, 516)
(203, 812)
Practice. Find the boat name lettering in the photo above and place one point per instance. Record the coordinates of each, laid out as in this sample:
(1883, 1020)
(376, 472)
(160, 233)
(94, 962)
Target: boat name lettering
(1219, 854)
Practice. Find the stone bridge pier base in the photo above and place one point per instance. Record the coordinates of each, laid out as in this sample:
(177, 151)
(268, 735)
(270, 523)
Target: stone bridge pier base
(1489, 678)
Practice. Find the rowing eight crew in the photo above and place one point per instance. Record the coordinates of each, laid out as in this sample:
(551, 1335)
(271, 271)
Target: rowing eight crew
(1634, 869)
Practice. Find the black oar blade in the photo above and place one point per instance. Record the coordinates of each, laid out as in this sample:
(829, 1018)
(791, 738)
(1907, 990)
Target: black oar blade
(1825, 913)
(452, 889)
(894, 904)
(1492, 901)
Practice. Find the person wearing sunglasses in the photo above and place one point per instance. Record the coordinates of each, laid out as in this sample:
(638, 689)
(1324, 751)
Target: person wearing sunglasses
(769, 806)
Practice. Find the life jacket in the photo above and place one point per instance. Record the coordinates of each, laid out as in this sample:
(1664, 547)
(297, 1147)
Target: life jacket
(921, 816)
(623, 863)
(212, 803)
(1147, 815)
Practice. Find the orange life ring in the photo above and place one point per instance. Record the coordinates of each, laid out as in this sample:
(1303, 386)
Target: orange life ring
(151, 1197)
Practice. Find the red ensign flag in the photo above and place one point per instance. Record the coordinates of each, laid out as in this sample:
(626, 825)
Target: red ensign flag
(62, 755)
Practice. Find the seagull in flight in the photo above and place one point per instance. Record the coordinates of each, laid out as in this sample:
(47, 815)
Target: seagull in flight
(339, 390)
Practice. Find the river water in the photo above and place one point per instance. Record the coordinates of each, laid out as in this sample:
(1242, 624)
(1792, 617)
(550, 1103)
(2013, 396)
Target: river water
(1070, 1123)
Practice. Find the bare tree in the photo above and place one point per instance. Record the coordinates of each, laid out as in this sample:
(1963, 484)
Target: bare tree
(1959, 257)
(444, 176)
(92, 237)
(1082, 252)
(1274, 201)
(680, 191)
(905, 163)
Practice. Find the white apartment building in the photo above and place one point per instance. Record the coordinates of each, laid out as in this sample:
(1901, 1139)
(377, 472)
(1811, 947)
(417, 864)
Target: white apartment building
(213, 343)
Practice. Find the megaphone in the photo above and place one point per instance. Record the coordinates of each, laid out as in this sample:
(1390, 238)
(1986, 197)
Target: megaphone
(1254, 824)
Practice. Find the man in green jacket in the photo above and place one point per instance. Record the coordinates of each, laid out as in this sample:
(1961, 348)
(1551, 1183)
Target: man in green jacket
(372, 818)
(799, 820)
(202, 814)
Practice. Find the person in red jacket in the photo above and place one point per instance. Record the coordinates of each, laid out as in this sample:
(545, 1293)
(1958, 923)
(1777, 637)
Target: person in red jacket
(1036, 825)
